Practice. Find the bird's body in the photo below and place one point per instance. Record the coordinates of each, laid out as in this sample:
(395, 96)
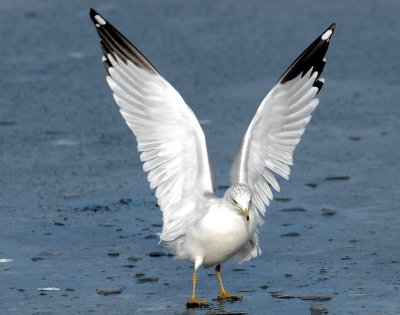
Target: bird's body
(216, 236)
(198, 226)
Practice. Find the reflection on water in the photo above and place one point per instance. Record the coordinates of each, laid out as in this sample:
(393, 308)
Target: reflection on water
(215, 308)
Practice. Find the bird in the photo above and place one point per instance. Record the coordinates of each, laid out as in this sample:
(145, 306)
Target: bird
(198, 226)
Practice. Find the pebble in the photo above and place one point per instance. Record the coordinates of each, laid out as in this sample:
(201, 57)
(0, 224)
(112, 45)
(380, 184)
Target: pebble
(312, 185)
(328, 212)
(113, 253)
(283, 199)
(37, 258)
(339, 177)
(159, 254)
(314, 297)
(125, 201)
(109, 291)
(291, 234)
(143, 279)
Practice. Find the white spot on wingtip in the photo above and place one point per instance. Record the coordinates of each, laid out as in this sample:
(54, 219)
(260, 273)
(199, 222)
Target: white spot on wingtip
(324, 59)
(322, 80)
(100, 20)
(103, 58)
(97, 25)
(326, 35)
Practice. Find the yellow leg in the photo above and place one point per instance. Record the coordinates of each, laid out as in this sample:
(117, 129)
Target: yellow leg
(222, 292)
(193, 302)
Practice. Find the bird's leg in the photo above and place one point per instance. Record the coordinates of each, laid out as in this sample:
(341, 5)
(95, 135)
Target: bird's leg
(193, 302)
(222, 292)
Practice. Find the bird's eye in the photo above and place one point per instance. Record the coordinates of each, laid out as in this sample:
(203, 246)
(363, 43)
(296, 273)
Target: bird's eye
(234, 201)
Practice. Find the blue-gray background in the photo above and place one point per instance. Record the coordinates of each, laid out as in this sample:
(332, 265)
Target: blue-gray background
(67, 159)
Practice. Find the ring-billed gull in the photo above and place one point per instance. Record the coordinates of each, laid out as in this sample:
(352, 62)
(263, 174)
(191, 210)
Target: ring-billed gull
(198, 226)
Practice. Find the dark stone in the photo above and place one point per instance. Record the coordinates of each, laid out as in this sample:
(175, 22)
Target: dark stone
(37, 258)
(283, 199)
(109, 291)
(328, 212)
(314, 297)
(147, 279)
(159, 254)
(339, 177)
(291, 234)
(125, 201)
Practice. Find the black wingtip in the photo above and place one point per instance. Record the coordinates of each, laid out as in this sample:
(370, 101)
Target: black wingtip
(97, 19)
(114, 43)
(312, 57)
(328, 33)
(92, 13)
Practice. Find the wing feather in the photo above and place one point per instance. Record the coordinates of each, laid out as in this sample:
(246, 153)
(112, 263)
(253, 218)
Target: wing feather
(277, 127)
(170, 140)
(279, 123)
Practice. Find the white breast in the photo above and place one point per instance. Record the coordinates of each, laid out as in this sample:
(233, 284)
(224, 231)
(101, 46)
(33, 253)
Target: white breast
(218, 235)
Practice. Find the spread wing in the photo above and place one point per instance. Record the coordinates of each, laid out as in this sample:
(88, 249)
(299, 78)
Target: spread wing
(170, 139)
(279, 123)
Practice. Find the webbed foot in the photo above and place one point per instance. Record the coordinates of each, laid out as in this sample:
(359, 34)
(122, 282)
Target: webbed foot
(223, 295)
(195, 303)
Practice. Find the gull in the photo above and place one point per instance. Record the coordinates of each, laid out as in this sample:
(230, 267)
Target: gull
(198, 226)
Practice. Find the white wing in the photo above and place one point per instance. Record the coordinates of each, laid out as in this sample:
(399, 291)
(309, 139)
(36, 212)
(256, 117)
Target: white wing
(278, 125)
(170, 139)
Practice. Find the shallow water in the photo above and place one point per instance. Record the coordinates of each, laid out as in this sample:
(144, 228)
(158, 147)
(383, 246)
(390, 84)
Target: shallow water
(76, 211)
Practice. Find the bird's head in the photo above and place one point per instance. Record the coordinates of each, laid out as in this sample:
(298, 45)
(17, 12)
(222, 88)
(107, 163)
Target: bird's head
(239, 196)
